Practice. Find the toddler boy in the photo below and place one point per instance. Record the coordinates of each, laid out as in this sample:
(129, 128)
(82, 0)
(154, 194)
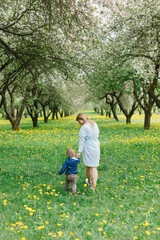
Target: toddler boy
(70, 168)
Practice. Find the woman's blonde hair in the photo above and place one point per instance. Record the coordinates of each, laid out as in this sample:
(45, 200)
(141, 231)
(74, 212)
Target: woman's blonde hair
(82, 116)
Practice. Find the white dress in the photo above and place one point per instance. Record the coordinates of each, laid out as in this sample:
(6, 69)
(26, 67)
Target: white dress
(89, 144)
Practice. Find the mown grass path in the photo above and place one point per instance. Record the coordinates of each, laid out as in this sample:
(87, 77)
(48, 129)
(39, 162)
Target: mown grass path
(125, 204)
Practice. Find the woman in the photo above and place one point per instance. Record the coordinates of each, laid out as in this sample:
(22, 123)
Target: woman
(89, 146)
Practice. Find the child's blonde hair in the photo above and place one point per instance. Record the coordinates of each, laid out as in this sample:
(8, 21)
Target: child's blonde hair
(85, 118)
(70, 152)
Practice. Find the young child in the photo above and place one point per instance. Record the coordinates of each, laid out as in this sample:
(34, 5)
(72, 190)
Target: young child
(70, 166)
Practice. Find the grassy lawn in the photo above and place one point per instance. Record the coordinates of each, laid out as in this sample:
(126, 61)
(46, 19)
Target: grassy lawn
(125, 205)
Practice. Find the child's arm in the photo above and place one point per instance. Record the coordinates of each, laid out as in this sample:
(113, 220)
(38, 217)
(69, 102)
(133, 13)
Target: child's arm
(63, 168)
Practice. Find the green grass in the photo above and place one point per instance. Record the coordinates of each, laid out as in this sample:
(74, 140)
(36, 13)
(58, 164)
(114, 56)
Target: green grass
(125, 204)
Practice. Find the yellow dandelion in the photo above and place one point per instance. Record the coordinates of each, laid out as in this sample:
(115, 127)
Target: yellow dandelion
(4, 202)
(41, 227)
(19, 223)
(100, 229)
(59, 233)
(158, 228)
(148, 232)
(85, 185)
(145, 224)
(89, 233)
(12, 224)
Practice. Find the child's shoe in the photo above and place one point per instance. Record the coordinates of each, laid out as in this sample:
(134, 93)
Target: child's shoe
(88, 182)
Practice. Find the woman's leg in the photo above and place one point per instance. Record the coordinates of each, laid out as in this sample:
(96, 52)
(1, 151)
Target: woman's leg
(94, 175)
(89, 174)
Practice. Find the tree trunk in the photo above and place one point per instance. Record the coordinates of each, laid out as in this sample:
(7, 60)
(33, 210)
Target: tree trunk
(25, 115)
(102, 114)
(139, 111)
(15, 121)
(147, 120)
(45, 119)
(44, 114)
(66, 113)
(113, 109)
(33, 113)
(53, 114)
(35, 121)
(154, 110)
(128, 119)
(95, 109)
(61, 114)
(54, 110)
(15, 125)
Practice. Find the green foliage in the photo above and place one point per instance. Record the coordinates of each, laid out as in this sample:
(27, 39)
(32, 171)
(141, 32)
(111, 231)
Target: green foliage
(125, 204)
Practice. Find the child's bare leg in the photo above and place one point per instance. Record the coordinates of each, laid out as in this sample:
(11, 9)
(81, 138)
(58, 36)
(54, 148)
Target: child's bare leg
(94, 175)
(89, 174)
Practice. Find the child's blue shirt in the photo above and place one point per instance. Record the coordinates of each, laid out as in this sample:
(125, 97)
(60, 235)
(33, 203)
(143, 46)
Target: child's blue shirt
(70, 166)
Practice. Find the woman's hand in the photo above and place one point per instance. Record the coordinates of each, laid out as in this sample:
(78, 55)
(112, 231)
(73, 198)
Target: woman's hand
(78, 155)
